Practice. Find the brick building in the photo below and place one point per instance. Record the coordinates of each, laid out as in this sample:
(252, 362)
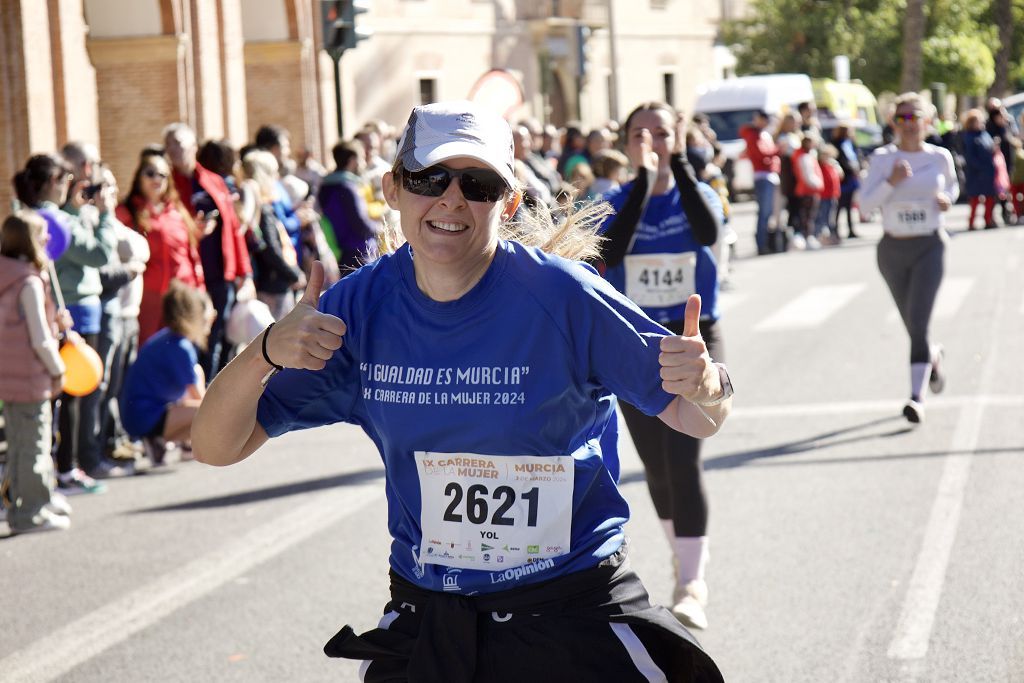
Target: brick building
(115, 72)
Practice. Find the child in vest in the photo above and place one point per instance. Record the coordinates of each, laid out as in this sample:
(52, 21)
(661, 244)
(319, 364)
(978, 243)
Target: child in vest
(832, 177)
(31, 375)
(165, 385)
(809, 184)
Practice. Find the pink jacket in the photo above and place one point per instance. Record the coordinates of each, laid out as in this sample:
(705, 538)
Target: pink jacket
(23, 377)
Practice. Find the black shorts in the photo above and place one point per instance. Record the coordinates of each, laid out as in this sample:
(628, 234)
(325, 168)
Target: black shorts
(596, 625)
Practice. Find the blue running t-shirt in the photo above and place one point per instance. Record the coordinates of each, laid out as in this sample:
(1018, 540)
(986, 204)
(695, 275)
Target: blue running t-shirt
(664, 230)
(492, 406)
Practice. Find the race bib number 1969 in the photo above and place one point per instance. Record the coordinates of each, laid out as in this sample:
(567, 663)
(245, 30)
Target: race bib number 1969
(493, 512)
(660, 280)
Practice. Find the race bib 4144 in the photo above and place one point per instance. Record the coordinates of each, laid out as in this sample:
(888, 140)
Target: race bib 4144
(660, 280)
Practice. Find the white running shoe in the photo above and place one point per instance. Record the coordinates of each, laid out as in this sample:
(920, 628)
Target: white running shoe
(937, 380)
(797, 242)
(812, 243)
(59, 504)
(914, 411)
(689, 603)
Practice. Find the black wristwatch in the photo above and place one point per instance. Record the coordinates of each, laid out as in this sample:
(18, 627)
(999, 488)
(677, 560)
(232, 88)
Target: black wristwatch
(727, 390)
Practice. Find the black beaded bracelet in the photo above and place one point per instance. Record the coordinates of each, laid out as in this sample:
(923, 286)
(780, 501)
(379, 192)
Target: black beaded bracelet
(266, 333)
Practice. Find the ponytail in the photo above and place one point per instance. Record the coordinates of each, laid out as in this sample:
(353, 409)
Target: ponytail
(30, 182)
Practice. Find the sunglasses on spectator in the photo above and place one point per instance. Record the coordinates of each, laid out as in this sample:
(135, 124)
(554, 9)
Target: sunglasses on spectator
(477, 184)
(908, 116)
(153, 173)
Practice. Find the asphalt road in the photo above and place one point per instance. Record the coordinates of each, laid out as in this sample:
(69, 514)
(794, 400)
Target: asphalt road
(846, 545)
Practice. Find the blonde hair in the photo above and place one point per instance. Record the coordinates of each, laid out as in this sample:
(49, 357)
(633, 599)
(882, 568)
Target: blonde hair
(607, 162)
(910, 98)
(261, 166)
(21, 237)
(184, 312)
(573, 237)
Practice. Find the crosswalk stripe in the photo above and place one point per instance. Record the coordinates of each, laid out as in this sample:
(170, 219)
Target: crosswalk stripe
(913, 630)
(54, 655)
(952, 294)
(811, 308)
(728, 301)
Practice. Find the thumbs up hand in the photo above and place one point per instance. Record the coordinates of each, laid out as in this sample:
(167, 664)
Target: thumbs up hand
(686, 367)
(306, 338)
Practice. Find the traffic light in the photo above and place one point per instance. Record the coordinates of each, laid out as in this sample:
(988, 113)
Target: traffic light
(339, 21)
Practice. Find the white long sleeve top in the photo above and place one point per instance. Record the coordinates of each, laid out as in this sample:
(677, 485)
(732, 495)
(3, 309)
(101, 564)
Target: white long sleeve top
(910, 208)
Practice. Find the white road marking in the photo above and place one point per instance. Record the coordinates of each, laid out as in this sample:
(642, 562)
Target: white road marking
(909, 643)
(802, 410)
(811, 308)
(952, 294)
(60, 652)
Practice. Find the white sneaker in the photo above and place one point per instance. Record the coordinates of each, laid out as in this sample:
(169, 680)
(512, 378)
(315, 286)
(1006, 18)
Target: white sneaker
(689, 603)
(914, 411)
(59, 504)
(797, 243)
(44, 521)
(812, 243)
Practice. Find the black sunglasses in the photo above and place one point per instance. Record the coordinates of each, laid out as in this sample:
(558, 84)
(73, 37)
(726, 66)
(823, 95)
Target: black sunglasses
(153, 173)
(477, 184)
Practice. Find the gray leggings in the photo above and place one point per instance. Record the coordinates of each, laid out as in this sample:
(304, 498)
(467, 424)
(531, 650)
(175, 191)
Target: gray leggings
(913, 270)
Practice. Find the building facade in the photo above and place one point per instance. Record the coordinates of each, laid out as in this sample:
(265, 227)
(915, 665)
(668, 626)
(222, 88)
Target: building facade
(115, 72)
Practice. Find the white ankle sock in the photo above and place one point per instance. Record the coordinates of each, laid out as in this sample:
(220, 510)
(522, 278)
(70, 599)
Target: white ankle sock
(919, 373)
(692, 555)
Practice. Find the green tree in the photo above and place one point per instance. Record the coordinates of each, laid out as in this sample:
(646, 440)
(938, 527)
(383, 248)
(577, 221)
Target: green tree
(964, 63)
(956, 46)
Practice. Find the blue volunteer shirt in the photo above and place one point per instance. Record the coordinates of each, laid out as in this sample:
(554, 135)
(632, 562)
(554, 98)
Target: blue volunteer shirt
(521, 365)
(664, 229)
(164, 368)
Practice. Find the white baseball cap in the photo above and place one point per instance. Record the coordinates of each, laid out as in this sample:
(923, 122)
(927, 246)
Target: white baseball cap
(445, 130)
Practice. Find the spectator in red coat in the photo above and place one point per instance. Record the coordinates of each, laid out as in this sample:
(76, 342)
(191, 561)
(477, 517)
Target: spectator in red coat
(154, 209)
(764, 157)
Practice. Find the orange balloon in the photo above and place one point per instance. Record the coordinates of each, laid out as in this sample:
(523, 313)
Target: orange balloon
(84, 369)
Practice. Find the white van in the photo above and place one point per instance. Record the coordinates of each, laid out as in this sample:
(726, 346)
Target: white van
(731, 103)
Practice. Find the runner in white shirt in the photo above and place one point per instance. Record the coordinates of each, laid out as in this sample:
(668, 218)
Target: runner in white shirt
(913, 183)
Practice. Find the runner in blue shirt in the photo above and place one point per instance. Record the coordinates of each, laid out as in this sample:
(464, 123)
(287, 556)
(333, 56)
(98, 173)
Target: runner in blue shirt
(482, 368)
(658, 253)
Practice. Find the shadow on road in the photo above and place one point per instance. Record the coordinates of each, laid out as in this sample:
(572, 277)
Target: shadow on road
(813, 443)
(350, 479)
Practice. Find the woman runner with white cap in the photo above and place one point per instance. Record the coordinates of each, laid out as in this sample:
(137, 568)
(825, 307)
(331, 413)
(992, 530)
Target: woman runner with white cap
(482, 370)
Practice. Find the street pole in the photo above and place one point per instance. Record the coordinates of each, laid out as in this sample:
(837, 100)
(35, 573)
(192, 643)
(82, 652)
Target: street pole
(613, 80)
(336, 58)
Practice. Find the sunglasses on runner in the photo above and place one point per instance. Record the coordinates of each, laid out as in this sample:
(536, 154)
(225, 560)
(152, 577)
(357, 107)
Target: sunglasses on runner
(908, 116)
(477, 184)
